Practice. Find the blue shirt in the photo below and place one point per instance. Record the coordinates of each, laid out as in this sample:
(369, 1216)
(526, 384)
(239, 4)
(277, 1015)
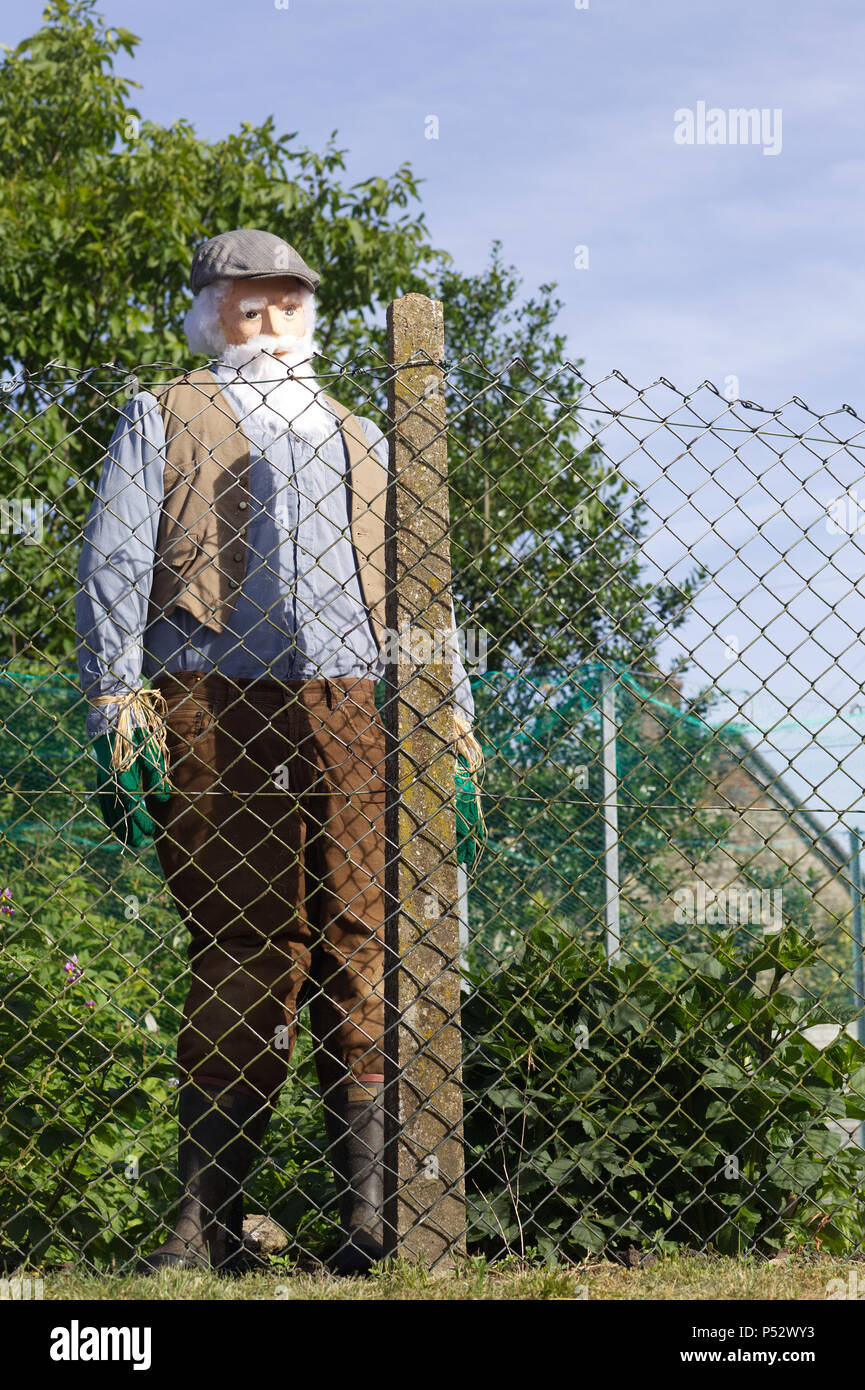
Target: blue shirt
(299, 613)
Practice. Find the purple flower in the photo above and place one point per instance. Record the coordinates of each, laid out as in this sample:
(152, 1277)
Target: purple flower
(5, 896)
(90, 1003)
(73, 971)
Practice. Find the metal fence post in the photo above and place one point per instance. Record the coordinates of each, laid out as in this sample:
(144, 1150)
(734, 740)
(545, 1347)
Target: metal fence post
(425, 1197)
(858, 959)
(611, 813)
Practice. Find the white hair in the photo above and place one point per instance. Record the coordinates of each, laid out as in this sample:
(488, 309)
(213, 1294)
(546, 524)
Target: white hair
(270, 393)
(202, 325)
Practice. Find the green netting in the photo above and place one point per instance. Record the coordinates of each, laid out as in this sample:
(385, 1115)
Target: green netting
(541, 790)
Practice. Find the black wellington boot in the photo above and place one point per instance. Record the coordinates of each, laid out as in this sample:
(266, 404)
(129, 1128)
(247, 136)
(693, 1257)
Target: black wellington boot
(233, 1257)
(354, 1112)
(218, 1139)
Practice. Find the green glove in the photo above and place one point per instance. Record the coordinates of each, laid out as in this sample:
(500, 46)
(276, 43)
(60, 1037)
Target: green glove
(122, 795)
(471, 828)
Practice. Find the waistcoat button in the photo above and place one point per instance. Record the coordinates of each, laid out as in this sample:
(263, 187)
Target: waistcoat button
(238, 555)
(243, 506)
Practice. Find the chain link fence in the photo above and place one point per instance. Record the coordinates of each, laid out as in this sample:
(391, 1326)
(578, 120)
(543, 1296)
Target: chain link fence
(602, 994)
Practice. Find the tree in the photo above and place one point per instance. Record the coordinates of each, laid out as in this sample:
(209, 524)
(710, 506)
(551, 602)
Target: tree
(99, 214)
(102, 208)
(546, 533)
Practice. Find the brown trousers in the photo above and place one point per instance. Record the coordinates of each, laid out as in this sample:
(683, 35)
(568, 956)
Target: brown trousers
(273, 848)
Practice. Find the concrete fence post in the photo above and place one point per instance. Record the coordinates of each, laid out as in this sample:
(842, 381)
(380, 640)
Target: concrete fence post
(425, 1191)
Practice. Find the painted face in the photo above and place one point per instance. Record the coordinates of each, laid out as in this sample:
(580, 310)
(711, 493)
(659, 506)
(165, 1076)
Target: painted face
(269, 308)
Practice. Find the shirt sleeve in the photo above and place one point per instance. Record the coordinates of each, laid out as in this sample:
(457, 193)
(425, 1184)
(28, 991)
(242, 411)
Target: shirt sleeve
(463, 698)
(115, 568)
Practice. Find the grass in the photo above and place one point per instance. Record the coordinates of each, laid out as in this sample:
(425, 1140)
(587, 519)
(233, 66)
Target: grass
(805, 1276)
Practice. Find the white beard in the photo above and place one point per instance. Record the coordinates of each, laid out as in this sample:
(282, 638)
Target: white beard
(276, 394)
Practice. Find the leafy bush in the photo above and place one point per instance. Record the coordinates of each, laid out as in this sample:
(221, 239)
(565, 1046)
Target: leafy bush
(604, 1105)
(609, 1108)
(88, 1126)
(86, 1086)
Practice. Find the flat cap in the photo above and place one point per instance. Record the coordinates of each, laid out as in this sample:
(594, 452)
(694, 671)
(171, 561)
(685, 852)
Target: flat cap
(247, 254)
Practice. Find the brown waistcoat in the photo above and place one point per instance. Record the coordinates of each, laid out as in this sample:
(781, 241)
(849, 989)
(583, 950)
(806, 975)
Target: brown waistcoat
(201, 550)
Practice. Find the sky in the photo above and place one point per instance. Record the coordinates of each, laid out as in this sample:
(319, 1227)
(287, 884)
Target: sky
(736, 263)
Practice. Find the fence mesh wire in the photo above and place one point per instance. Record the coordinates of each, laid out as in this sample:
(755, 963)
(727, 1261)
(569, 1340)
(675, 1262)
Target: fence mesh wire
(660, 943)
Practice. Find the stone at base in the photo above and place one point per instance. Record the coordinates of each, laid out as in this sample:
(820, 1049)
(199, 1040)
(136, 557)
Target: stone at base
(263, 1235)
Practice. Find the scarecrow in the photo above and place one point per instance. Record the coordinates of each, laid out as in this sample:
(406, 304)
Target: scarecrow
(233, 558)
